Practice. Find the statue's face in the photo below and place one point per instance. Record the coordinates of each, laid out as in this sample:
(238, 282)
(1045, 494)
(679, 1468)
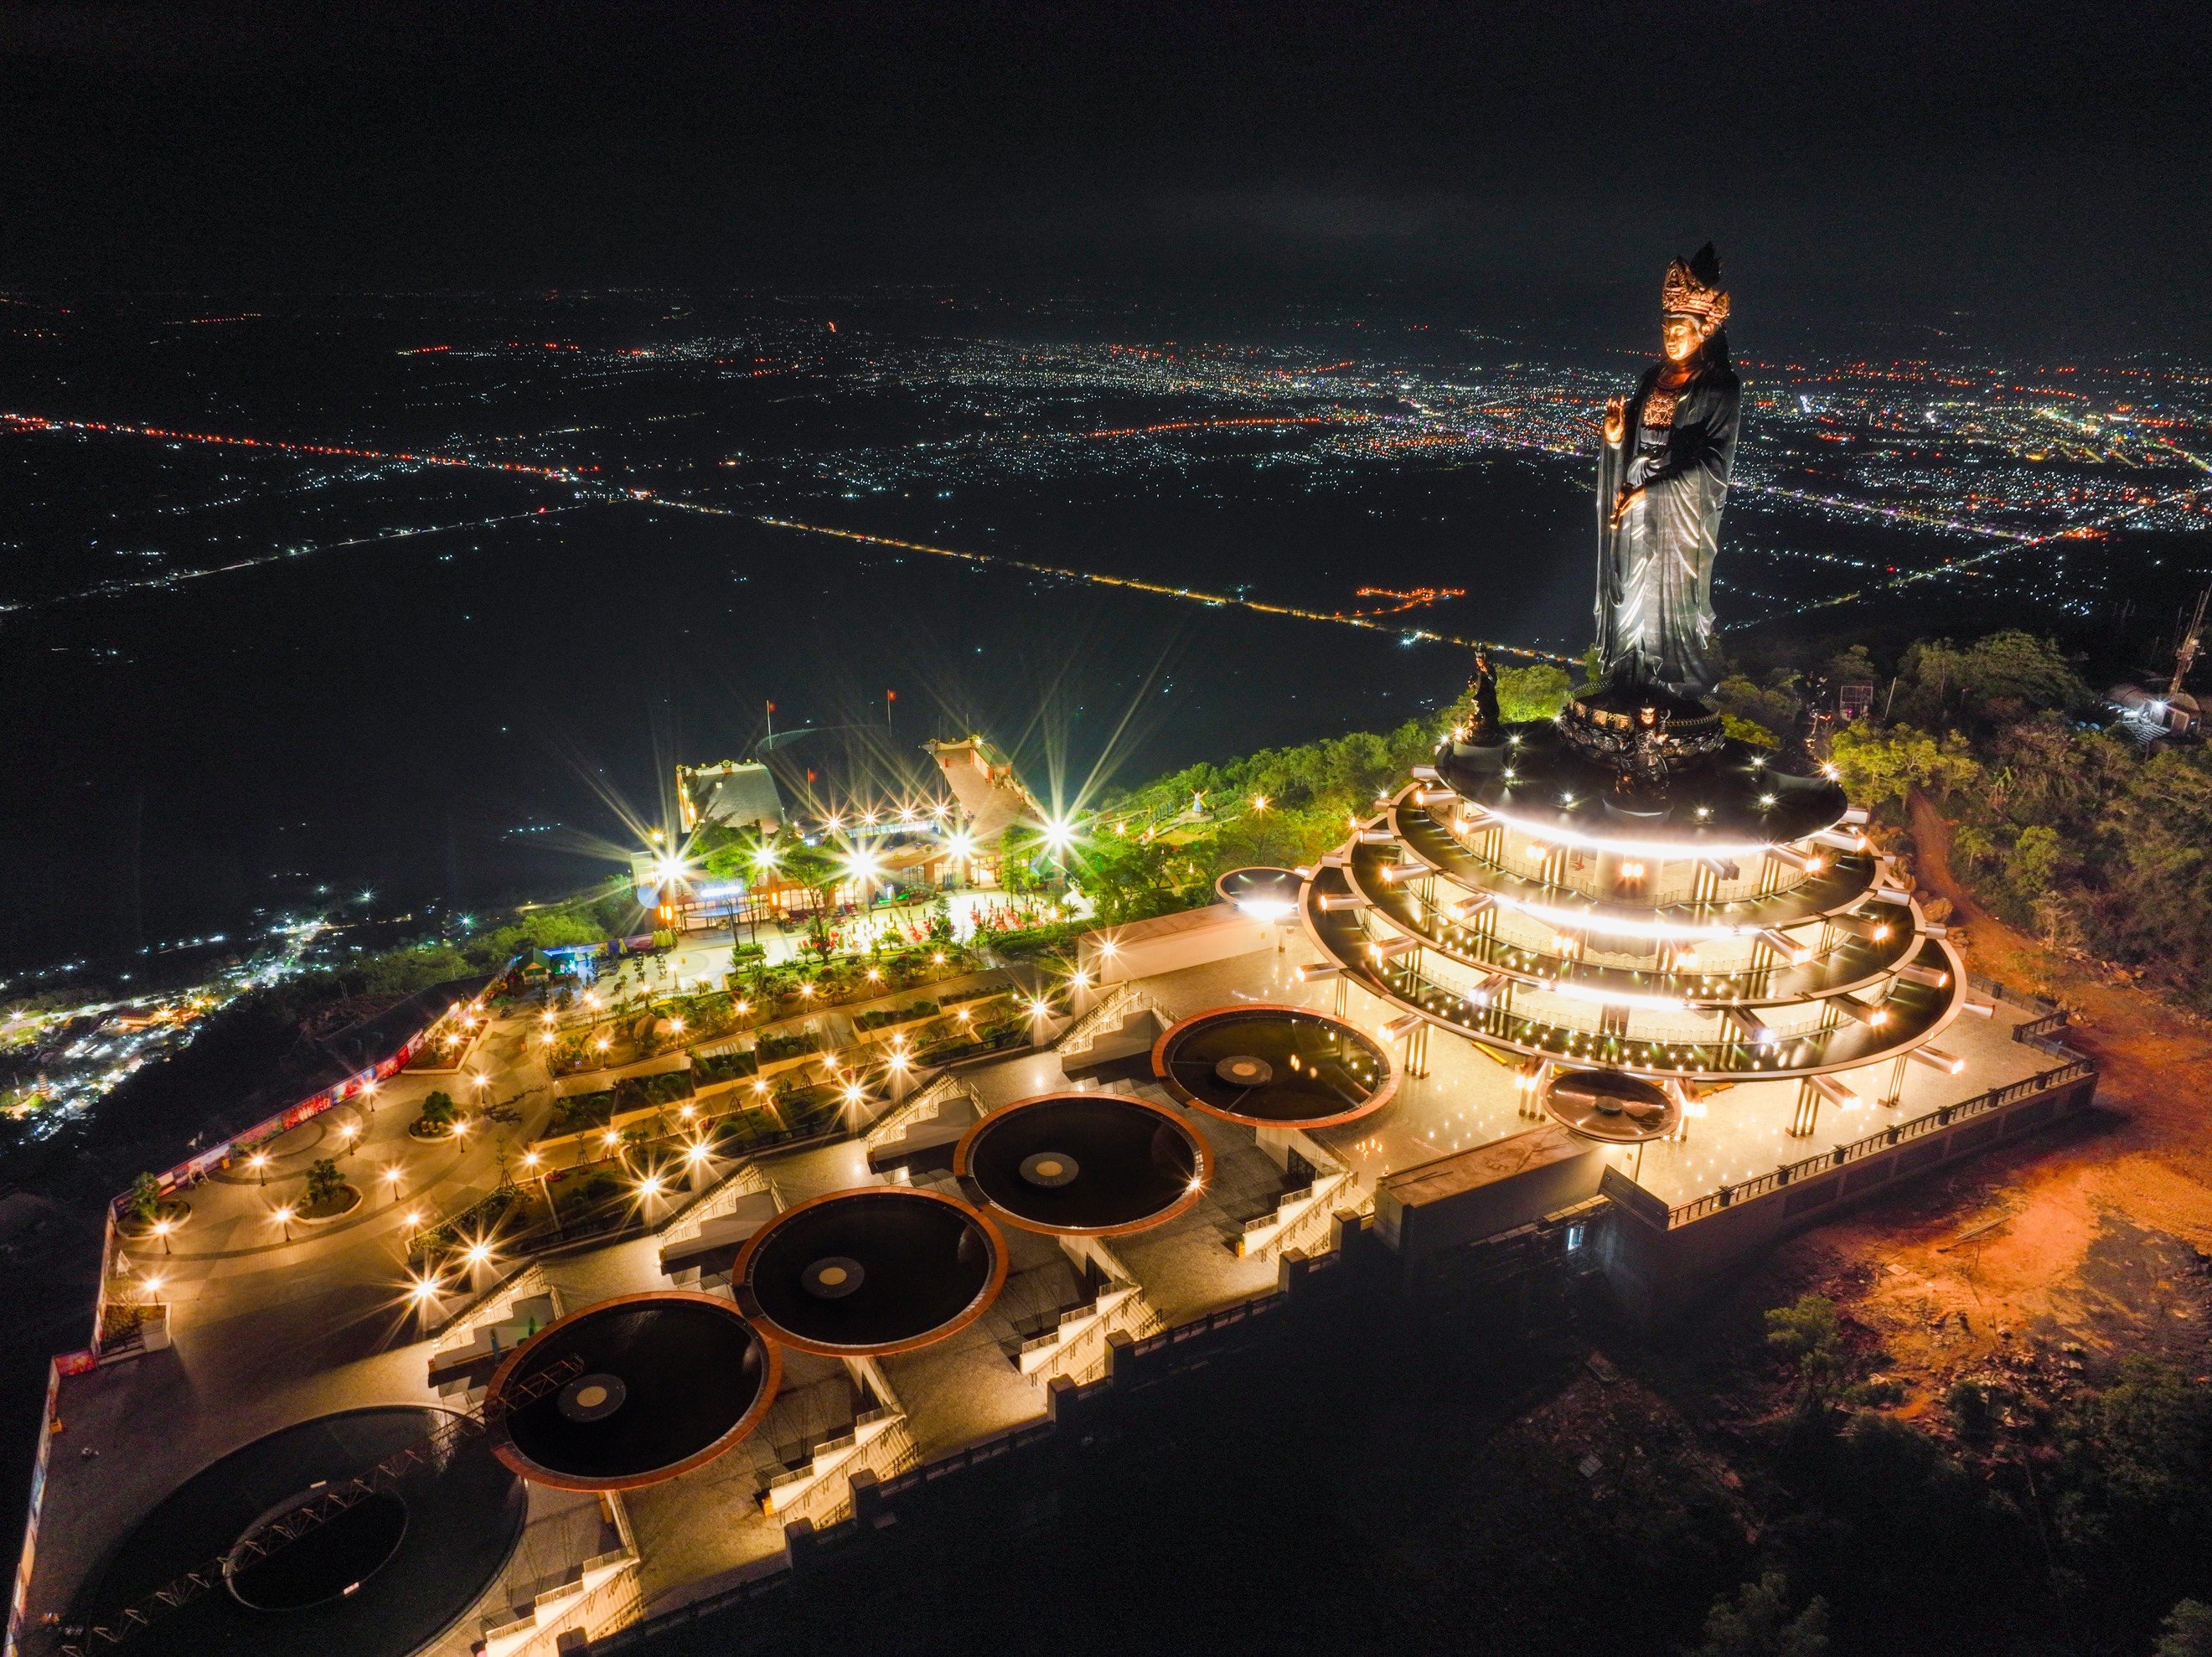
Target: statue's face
(1681, 336)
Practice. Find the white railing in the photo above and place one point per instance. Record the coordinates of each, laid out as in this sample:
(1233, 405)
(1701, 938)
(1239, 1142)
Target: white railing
(1115, 1009)
(822, 1490)
(925, 1107)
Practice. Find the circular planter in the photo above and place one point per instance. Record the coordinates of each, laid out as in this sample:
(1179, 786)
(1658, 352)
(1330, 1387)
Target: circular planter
(350, 1199)
(178, 1213)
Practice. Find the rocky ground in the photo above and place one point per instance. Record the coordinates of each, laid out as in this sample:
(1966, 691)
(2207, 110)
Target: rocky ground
(2062, 1254)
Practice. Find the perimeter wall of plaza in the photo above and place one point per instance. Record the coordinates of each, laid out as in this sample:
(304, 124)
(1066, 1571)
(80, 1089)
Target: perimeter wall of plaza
(1658, 1258)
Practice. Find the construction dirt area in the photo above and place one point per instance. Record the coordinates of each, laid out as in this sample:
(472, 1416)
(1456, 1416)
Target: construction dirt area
(2048, 1262)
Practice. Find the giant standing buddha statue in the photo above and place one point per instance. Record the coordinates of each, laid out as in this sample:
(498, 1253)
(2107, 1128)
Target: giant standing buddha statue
(1624, 899)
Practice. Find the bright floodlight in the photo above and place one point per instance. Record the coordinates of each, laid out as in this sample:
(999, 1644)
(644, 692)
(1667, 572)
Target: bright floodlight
(668, 870)
(764, 857)
(1059, 833)
(862, 863)
(477, 1253)
(960, 846)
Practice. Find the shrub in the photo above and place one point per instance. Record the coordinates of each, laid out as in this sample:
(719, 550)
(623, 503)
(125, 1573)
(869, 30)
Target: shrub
(325, 1183)
(1809, 1334)
(636, 1092)
(706, 1069)
(581, 1111)
(789, 1045)
(1759, 1623)
(1968, 1406)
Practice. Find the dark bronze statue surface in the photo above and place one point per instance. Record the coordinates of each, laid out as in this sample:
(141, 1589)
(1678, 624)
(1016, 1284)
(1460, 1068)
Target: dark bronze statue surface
(1663, 478)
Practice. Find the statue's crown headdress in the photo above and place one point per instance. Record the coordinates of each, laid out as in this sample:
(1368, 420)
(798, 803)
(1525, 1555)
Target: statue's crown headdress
(1692, 289)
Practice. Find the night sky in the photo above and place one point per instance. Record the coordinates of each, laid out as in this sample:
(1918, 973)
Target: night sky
(2042, 171)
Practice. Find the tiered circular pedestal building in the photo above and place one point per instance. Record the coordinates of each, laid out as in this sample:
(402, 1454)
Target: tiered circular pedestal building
(1626, 889)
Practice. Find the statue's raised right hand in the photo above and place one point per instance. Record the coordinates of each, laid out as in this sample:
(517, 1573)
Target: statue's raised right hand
(1616, 419)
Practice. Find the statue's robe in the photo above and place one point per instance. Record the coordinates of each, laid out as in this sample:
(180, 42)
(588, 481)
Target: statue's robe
(1654, 573)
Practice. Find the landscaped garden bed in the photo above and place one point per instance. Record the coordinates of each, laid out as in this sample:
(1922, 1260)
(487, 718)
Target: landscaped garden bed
(780, 1051)
(972, 992)
(595, 1197)
(662, 1087)
(580, 1113)
(509, 1213)
(949, 1041)
(713, 1070)
(880, 1019)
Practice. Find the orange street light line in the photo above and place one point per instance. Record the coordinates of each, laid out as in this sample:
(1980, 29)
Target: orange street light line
(1095, 578)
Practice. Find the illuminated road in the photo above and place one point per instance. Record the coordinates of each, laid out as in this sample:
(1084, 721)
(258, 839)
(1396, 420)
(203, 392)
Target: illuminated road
(262, 560)
(332, 451)
(1131, 583)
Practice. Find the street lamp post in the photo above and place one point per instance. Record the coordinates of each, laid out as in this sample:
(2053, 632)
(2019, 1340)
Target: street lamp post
(284, 1219)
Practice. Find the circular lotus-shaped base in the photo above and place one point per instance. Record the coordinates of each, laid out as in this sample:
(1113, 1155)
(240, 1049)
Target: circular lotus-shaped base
(663, 1383)
(1275, 1067)
(876, 1269)
(1082, 1164)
